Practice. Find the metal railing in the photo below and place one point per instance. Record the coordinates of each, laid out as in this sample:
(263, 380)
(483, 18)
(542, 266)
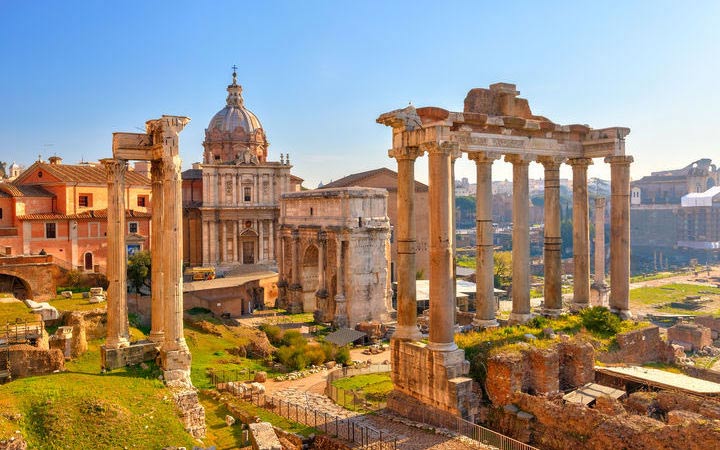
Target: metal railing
(22, 332)
(230, 375)
(356, 400)
(348, 429)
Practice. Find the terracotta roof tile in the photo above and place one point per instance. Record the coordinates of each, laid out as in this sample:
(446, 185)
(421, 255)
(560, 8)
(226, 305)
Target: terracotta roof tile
(88, 174)
(87, 215)
(356, 178)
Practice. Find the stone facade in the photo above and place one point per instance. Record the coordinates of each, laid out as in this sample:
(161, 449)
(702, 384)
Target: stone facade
(638, 347)
(335, 254)
(232, 200)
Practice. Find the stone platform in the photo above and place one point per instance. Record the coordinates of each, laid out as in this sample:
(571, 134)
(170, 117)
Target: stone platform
(137, 352)
(432, 379)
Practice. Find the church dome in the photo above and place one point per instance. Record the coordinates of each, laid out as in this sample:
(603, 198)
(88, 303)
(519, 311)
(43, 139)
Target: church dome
(234, 115)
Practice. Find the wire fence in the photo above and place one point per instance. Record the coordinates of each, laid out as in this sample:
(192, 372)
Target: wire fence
(346, 428)
(352, 399)
(230, 375)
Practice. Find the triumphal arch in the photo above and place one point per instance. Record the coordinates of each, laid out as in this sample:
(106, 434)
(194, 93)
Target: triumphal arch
(159, 145)
(494, 122)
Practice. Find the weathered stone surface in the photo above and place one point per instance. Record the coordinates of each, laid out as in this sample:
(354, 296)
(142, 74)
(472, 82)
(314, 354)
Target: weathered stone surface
(135, 353)
(690, 336)
(191, 412)
(263, 437)
(26, 360)
(86, 325)
(638, 347)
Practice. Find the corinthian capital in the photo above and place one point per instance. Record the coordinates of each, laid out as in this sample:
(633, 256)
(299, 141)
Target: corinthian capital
(443, 148)
(621, 160)
(115, 169)
(405, 153)
(519, 160)
(580, 162)
(551, 162)
(483, 157)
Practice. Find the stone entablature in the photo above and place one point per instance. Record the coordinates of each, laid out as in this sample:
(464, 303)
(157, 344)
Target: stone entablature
(496, 122)
(335, 260)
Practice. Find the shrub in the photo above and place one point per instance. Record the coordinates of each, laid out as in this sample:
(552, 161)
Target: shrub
(293, 338)
(73, 278)
(600, 320)
(343, 356)
(273, 332)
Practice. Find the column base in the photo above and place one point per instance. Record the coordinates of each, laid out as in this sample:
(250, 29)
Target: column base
(575, 307)
(519, 318)
(624, 314)
(485, 323)
(442, 346)
(407, 333)
(156, 337)
(552, 312)
(117, 343)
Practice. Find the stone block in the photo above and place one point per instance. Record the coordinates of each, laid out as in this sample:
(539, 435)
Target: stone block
(136, 353)
(263, 437)
(690, 336)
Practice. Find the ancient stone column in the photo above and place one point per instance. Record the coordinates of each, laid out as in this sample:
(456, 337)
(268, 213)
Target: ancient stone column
(442, 302)
(157, 255)
(283, 278)
(520, 240)
(484, 273)
(206, 242)
(341, 319)
(620, 231)
(295, 304)
(271, 241)
(223, 241)
(581, 234)
(235, 241)
(118, 334)
(599, 241)
(261, 240)
(321, 295)
(552, 258)
(405, 235)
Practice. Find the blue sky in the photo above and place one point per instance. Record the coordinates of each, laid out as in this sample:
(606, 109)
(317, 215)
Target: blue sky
(317, 73)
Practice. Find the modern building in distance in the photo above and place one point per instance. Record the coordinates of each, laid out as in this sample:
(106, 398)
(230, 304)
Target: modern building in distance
(231, 202)
(675, 216)
(388, 179)
(61, 209)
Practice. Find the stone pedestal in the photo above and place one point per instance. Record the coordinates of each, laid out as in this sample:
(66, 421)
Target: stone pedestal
(599, 294)
(176, 366)
(426, 378)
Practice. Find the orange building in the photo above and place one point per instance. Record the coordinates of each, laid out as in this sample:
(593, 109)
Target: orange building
(61, 209)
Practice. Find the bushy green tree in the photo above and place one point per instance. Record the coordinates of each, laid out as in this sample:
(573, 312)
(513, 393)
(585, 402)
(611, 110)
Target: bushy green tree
(138, 270)
(502, 262)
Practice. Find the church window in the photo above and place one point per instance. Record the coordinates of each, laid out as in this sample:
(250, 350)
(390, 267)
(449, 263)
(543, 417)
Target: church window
(132, 227)
(246, 194)
(50, 230)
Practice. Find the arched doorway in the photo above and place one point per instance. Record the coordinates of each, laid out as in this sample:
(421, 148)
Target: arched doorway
(309, 278)
(248, 245)
(88, 261)
(10, 284)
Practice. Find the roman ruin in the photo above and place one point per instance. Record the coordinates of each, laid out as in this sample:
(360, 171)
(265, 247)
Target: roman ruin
(159, 145)
(335, 255)
(494, 122)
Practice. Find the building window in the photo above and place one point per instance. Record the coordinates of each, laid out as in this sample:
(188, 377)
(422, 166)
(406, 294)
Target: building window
(246, 194)
(0, 213)
(85, 200)
(142, 201)
(94, 229)
(133, 227)
(50, 230)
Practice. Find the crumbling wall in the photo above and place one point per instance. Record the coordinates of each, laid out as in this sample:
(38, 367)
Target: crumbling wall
(26, 360)
(690, 336)
(577, 363)
(558, 426)
(710, 322)
(191, 412)
(544, 369)
(638, 347)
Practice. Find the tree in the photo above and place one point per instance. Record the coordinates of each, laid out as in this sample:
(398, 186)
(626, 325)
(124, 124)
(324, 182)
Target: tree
(502, 262)
(138, 270)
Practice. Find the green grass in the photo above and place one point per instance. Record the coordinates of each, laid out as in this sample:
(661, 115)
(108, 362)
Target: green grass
(211, 351)
(655, 276)
(275, 419)
(674, 292)
(10, 312)
(81, 408)
(76, 303)
(373, 388)
(222, 436)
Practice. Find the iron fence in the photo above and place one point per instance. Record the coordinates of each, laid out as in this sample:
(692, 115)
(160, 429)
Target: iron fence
(355, 400)
(346, 428)
(230, 375)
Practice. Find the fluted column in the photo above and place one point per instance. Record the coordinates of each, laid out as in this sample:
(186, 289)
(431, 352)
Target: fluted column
(520, 240)
(442, 302)
(581, 234)
(620, 231)
(157, 244)
(118, 334)
(484, 270)
(405, 235)
(552, 258)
